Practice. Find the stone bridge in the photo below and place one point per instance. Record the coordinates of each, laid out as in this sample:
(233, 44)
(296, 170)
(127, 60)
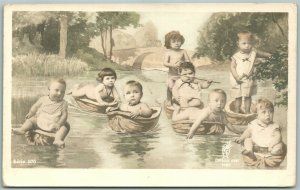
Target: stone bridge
(151, 57)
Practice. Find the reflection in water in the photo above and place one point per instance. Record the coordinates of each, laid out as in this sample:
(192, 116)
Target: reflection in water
(127, 145)
(92, 144)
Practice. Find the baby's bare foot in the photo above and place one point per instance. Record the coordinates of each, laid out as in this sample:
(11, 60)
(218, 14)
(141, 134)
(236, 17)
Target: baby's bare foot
(18, 131)
(249, 153)
(59, 143)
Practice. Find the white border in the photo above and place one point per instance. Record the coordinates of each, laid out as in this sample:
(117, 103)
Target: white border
(150, 177)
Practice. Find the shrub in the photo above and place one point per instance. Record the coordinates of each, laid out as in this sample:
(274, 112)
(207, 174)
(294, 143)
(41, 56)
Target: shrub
(46, 65)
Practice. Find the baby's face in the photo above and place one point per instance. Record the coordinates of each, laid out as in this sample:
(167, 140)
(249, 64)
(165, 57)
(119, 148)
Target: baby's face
(57, 91)
(175, 43)
(245, 45)
(187, 75)
(132, 94)
(109, 81)
(265, 115)
(217, 102)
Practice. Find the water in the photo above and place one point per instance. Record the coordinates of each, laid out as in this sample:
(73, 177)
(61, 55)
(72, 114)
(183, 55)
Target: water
(92, 144)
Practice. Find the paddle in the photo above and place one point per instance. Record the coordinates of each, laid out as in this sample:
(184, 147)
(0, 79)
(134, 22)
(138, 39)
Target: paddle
(178, 75)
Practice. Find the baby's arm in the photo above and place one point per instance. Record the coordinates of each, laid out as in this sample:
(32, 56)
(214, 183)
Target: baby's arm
(34, 108)
(202, 116)
(261, 54)
(276, 138)
(63, 118)
(145, 110)
(116, 95)
(234, 73)
(246, 134)
(98, 89)
(167, 60)
(186, 56)
(175, 91)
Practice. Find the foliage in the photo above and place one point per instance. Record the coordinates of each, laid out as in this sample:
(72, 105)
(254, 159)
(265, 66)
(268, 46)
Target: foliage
(217, 39)
(46, 65)
(106, 22)
(276, 69)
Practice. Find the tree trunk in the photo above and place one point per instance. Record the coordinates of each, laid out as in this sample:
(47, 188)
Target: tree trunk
(63, 35)
(102, 44)
(278, 25)
(111, 40)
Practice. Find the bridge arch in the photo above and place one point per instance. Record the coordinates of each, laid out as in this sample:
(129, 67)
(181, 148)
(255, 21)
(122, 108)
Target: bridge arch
(137, 63)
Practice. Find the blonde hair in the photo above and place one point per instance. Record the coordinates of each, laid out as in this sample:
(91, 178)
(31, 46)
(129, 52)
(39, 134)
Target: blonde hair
(218, 91)
(60, 81)
(264, 103)
(247, 35)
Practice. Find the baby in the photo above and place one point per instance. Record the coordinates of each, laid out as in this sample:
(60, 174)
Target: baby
(262, 134)
(133, 92)
(212, 113)
(242, 68)
(49, 113)
(105, 93)
(173, 57)
(187, 90)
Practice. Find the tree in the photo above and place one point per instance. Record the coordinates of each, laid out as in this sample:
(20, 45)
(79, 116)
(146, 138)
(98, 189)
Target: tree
(218, 37)
(108, 21)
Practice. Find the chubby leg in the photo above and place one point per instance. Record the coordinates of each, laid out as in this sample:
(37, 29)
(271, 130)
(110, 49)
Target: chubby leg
(195, 102)
(247, 102)
(184, 103)
(277, 149)
(78, 91)
(27, 125)
(248, 148)
(61, 135)
(177, 115)
(237, 104)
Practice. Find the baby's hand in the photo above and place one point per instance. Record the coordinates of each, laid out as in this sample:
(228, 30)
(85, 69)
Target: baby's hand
(269, 149)
(190, 135)
(29, 115)
(237, 140)
(55, 127)
(134, 114)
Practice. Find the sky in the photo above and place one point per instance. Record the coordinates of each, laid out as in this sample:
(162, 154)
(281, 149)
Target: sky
(188, 24)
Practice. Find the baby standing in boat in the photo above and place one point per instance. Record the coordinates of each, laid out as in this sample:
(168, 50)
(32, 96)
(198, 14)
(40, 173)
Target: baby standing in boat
(173, 57)
(242, 69)
(105, 93)
(49, 113)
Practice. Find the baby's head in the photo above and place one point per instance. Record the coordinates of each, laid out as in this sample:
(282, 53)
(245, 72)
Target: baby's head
(173, 40)
(245, 41)
(133, 92)
(187, 71)
(57, 88)
(217, 100)
(107, 76)
(265, 111)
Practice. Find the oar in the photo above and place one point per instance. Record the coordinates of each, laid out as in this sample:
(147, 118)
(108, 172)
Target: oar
(178, 75)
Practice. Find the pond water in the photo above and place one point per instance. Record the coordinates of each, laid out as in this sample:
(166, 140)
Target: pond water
(92, 144)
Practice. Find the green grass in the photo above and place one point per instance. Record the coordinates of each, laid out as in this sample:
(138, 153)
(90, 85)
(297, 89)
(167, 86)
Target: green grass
(46, 65)
(96, 60)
